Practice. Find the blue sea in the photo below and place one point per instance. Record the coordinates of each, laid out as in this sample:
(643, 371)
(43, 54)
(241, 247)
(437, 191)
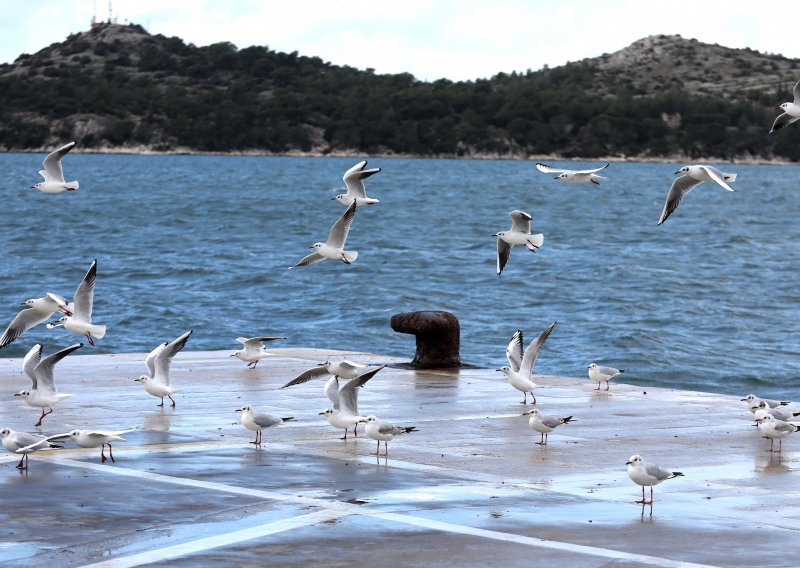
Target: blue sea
(708, 301)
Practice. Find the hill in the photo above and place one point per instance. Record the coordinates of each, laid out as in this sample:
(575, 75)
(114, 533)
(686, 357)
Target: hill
(117, 87)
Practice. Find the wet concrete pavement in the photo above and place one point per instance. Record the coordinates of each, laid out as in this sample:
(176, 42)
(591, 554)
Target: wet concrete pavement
(469, 488)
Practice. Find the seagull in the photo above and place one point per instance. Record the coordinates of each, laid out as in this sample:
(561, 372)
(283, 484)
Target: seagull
(34, 312)
(53, 174)
(599, 374)
(693, 176)
(573, 176)
(519, 370)
(647, 475)
(384, 432)
(753, 402)
(257, 421)
(253, 350)
(80, 321)
(42, 393)
(347, 414)
(334, 247)
(778, 413)
(518, 234)
(354, 180)
(773, 428)
(791, 111)
(24, 443)
(156, 381)
(544, 423)
(92, 439)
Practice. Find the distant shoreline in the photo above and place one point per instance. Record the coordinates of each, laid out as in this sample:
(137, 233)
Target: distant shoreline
(145, 151)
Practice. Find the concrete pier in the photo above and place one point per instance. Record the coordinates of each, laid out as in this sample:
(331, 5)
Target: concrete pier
(469, 488)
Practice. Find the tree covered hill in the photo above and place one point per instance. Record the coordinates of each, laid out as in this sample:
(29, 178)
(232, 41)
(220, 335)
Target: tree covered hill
(119, 87)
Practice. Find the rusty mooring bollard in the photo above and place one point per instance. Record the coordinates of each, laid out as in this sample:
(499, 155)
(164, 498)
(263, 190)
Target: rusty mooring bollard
(438, 337)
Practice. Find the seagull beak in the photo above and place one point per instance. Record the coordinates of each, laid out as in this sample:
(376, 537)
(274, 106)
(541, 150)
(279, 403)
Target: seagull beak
(34, 187)
(676, 173)
(318, 414)
(17, 394)
(555, 177)
(311, 247)
(362, 420)
(628, 463)
(332, 198)
(238, 410)
(743, 400)
(501, 370)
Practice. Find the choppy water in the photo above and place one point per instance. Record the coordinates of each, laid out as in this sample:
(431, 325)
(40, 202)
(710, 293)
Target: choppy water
(708, 301)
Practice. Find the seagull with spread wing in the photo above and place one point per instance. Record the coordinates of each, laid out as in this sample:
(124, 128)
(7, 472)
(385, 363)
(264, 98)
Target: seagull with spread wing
(43, 393)
(253, 350)
(573, 176)
(518, 234)
(34, 312)
(334, 247)
(691, 178)
(156, 381)
(347, 414)
(53, 174)
(519, 370)
(354, 180)
(791, 111)
(80, 321)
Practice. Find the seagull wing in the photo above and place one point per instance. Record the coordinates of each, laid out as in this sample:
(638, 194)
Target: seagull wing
(256, 342)
(658, 472)
(33, 442)
(550, 169)
(33, 358)
(796, 93)
(310, 259)
(163, 358)
(354, 179)
(514, 351)
(62, 302)
(680, 187)
(313, 373)
(84, 295)
(52, 163)
(332, 392)
(150, 361)
(22, 322)
(717, 176)
(265, 420)
(345, 369)
(44, 370)
(348, 394)
(503, 252)
(592, 171)
(340, 229)
(783, 121)
(532, 351)
(520, 221)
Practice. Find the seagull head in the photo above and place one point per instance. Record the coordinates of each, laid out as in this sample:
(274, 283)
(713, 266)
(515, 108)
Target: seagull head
(316, 245)
(765, 418)
(245, 408)
(324, 364)
(635, 459)
(37, 185)
(534, 412)
(5, 432)
(504, 369)
(749, 398)
(327, 412)
(372, 418)
(592, 365)
(142, 379)
(784, 106)
(683, 170)
(23, 394)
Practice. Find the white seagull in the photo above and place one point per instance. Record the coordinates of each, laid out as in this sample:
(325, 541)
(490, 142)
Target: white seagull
(34, 312)
(691, 178)
(384, 432)
(544, 423)
(257, 421)
(518, 234)
(80, 321)
(647, 475)
(778, 413)
(92, 439)
(334, 247)
(519, 370)
(773, 429)
(753, 402)
(347, 414)
(599, 374)
(53, 174)
(23, 443)
(354, 180)
(156, 381)
(791, 111)
(573, 176)
(43, 393)
(254, 349)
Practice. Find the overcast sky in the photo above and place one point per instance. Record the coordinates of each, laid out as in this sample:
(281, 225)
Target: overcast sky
(463, 39)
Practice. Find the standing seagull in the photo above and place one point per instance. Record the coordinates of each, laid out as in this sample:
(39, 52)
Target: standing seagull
(24, 443)
(92, 439)
(518, 234)
(573, 176)
(599, 374)
(34, 312)
(544, 423)
(519, 370)
(647, 475)
(254, 349)
(791, 111)
(257, 421)
(334, 247)
(693, 176)
(80, 321)
(753, 402)
(53, 174)
(384, 432)
(42, 393)
(347, 414)
(773, 429)
(354, 180)
(156, 381)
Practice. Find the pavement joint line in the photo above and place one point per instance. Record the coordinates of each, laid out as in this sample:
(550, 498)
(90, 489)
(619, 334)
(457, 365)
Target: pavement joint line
(340, 509)
(219, 540)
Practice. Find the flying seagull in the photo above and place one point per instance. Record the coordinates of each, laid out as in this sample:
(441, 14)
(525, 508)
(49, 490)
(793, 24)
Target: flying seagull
(253, 350)
(691, 178)
(80, 321)
(34, 312)
(573, 176)
(354, 180)
(791, 111)
(334, 247)
(518, 234)
(53, 174)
